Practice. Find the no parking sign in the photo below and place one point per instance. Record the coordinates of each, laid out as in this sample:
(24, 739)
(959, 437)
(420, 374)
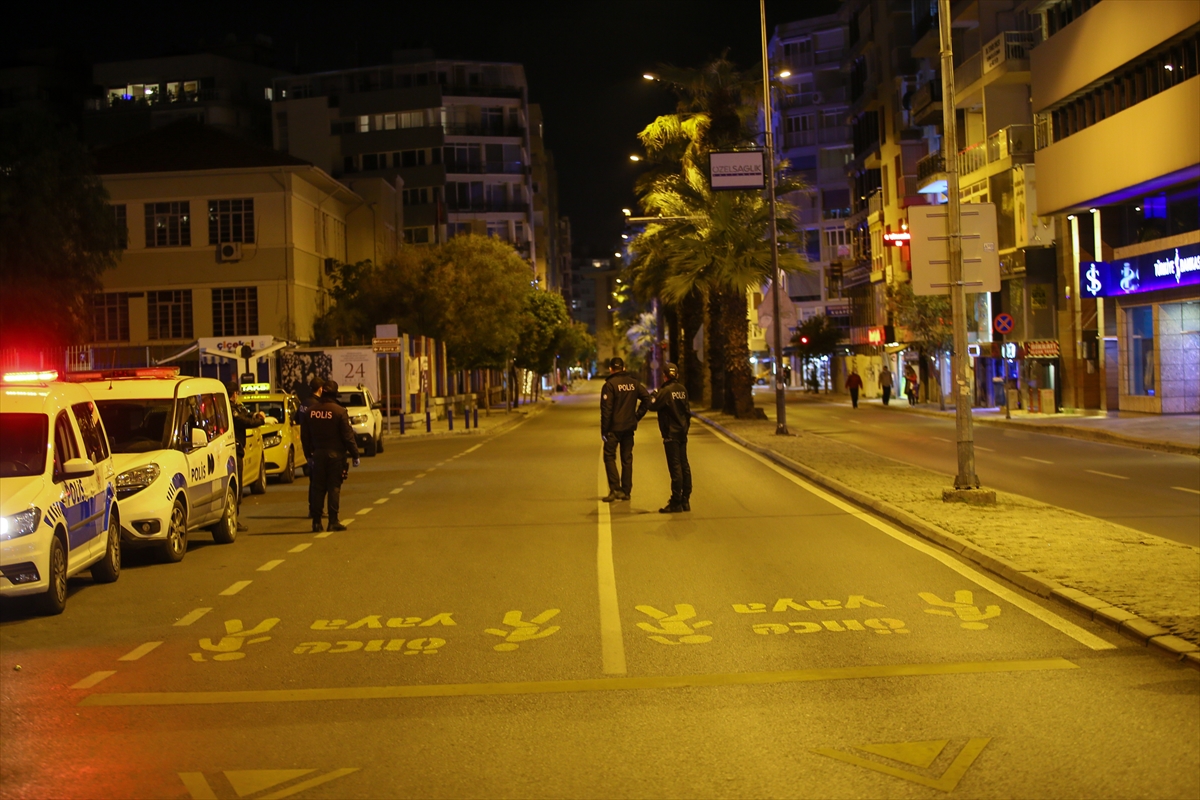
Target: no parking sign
(1003, 323)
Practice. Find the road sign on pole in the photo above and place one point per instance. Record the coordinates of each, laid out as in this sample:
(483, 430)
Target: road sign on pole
(930, 248)
(388, 345)
(1003, 323)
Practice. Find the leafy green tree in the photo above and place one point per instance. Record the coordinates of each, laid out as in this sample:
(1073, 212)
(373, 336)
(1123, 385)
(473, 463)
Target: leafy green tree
(928, 322)
(816, 337)
(57, 233)
(544, 319)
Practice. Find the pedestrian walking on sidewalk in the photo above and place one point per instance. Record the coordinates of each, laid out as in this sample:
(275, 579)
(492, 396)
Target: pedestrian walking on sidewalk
(330, 439)
(853, 384)
(885, 384)
(623, 402)
(912, 384)
(674, 420)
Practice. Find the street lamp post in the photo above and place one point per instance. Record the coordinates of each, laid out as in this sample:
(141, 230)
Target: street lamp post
(781, 428)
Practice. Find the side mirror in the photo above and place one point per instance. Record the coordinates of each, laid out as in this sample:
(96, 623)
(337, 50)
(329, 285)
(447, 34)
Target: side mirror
(376, 405)
(199, 438)
(79, 468)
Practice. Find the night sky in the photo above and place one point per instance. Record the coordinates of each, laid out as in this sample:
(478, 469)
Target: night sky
(583, 61)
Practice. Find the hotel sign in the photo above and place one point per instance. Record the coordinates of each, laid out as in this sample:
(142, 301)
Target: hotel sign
(1164, 269)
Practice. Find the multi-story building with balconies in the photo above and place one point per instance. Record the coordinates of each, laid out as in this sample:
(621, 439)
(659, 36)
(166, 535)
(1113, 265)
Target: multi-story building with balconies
(455, 134)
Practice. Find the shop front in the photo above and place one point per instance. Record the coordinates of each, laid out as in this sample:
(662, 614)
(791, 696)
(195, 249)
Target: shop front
(1158, 326)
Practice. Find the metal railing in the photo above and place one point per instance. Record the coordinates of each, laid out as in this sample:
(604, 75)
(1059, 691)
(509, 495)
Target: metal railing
(968, 71)
(834, 134)
(1015, 140)
(1008, 46)
(166, 98)
(929, 166)
(486, 207)
(875, 202)
(972, 158)
(926, 96)
(799, 138)
(480, 129)
(485, 167)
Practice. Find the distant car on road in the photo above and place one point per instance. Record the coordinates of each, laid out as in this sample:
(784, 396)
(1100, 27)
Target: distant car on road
(58, 495)
(365, 418)
(281, 433)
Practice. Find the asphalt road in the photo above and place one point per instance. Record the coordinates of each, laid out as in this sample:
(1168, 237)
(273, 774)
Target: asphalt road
(1149, 491)
(488, 628)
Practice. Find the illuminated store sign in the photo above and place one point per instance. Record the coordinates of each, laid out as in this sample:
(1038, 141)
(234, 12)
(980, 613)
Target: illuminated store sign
(1165, 269)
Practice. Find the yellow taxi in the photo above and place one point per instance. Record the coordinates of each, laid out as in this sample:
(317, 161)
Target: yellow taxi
(283, 454)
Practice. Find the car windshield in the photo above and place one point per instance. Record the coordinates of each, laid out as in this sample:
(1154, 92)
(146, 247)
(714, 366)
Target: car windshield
(23, 444)
(269, 408)
(137, 426)
(351, 399)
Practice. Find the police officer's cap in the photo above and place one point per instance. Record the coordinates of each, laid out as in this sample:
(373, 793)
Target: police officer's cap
(233, 387)
(616, 362)
(670, 370)
(331, 386)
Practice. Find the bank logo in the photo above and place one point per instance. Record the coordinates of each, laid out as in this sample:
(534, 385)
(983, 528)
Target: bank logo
(1093, 280)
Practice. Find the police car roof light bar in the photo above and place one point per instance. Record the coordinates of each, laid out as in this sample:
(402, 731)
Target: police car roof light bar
(113, 374)
(39, 376)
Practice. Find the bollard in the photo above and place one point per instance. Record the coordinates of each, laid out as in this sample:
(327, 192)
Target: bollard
(401, 423)
(477, 417)
(450, 417)
(428, 422)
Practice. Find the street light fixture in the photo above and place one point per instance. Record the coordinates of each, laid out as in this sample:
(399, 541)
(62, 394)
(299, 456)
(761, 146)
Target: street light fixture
(626, 212)
(650, 76)
(787, 73)
(635, 158)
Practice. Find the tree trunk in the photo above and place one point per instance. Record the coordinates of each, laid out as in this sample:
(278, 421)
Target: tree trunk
(691, 317)
(739, 379)
(672, 318)
(714, 348)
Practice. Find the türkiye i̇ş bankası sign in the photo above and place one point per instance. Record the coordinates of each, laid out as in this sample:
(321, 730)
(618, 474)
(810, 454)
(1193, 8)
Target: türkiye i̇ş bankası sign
(1165, 269)
(742, 169)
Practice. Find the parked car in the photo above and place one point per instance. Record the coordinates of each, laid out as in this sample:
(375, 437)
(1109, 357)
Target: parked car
(175, 453)
(281, 434)
(365, 418)
(58, 496)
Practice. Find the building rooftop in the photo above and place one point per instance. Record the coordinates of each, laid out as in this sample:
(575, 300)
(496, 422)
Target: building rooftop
(184, 146)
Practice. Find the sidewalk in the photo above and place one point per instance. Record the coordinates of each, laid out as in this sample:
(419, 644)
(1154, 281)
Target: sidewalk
(1146, 586)
(1169, 433)
(498, 421)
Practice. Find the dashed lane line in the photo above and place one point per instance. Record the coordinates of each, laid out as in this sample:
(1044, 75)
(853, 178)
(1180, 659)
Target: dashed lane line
(192, 616)
(139, 651)
(1107, 474)
(366, 510)
(397, 490)
(235, 588)
(472, 449)
(94, 678)
(323, 535)
(1185, 489)
(985, 449)
(348, 522)
(300, 548)
(270, 565)
(940, 439)
(382, 500)
(1038, 460)
(422, 475)
(409, 483)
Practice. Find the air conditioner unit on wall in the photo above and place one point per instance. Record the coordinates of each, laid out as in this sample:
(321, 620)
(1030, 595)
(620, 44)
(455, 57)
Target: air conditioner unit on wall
(229, 251)
(818, 98)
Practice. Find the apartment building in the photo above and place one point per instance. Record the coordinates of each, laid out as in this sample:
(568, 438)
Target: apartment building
(231, 93)
(1116, 98)
(225, 239)
(455, 135)
(812, 134)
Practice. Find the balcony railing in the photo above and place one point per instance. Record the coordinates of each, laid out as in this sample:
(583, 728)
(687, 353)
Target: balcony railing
(485, 167)
(479, 129)
(875, 202)
(834, 134)
(1011, 142)
(968, 71)
(972, 158)
(799, 138)
(485, 207)
(925, 98)
(929, 166)
(162, 99)
(1008, 46)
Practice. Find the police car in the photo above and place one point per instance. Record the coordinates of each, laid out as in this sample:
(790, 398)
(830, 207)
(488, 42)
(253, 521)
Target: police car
(175, 453)
(281, 433)
(365, 418)
(58, 496)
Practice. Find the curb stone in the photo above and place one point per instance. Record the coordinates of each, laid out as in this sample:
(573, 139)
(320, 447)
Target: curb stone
(1146, 633)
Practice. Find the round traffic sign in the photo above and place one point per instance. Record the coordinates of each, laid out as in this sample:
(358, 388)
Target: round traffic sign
(1003, 323)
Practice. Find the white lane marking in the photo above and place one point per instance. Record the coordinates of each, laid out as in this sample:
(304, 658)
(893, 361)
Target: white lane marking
(441, 463)
(94, 678)
(612, 643)
(351, 520)
(1033, 609)
(382, 500)
(324, 534)
(985, 449)
(1038, 460)
(854, 422)
(940, 439)
(300, 548)
(235, 588)
(192, 616)
(409, 483)
(1185, 489)
(422, 475)
(1106, 474)
(472, 449)
(139, 651)
(367, 510)
(270, 565)
(397, 490)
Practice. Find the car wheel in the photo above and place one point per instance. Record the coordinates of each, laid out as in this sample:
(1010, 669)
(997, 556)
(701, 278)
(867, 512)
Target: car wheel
(289, 469)
(108, 569)
(55, 599)
(369, 449)
(260, 485)
(226, 531)
(175, 547)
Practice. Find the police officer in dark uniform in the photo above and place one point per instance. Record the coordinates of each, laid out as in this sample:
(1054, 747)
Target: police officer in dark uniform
(623, 401)
(674, 420)
(329, 438)
(315, 387)
(243, 420)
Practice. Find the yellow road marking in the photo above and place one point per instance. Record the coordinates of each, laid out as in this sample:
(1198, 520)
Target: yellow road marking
(569, 686)
(300, 548)
(397, 490)
(422, 475)
(1106, 474)
(93, 679)
(1185, 489)
(249, 781)
(612, 642)
(235, 588)
(308, 784)
(409, 483)
(1033, 609)
(918, 754)
(197, 787)
(348, 521)
(1038, 460)
(139, 651)
(946, 783)
(270, 565)
(366, 510)
(472, 449)
(985, 449)
(323, 535)
(382, 500)
(192, 616)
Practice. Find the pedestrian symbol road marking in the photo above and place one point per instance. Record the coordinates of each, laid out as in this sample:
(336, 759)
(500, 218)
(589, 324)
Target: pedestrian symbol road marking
(904, 751)
(523, 631)
(963, 607)
(677, 624)
(245, 782)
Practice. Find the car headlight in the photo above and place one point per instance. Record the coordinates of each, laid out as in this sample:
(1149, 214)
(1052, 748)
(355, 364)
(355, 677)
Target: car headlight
(134, 480)
(359, 419)
(272, 439)
(22, 523)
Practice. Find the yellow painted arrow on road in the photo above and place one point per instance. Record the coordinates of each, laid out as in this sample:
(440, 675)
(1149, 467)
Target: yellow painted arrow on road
(246, 782)
(918, 754)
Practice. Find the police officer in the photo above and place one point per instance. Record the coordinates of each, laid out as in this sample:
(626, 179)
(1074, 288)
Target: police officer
(674, 420)
(243, 420)
(329, 438)
(315, 387)
(623, 402)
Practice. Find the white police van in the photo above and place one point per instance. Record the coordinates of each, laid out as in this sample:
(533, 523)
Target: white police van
(58, 496)
(175, 454)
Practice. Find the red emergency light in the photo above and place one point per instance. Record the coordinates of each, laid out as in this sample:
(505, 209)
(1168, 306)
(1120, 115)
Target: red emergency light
(40, 376)
(118, 374)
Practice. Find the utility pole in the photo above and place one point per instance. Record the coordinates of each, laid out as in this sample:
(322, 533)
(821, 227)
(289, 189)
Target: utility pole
(966, 478)
(781, 428)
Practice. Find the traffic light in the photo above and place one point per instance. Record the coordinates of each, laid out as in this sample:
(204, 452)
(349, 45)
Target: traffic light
(803, 340)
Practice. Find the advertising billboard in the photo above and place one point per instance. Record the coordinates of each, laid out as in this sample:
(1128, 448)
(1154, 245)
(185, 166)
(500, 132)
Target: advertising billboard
(740, 169)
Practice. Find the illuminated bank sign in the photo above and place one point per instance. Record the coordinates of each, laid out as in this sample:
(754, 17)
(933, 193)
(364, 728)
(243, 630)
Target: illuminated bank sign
(1165, 269)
